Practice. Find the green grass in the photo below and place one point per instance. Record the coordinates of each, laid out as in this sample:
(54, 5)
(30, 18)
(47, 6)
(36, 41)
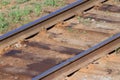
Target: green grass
(51, 2)
(37, 8)
(19, 14)
(15, 15)
(54, 3)
(5, 2)
(3, 22)
(21, 1)
(14, 7)
(26, 11)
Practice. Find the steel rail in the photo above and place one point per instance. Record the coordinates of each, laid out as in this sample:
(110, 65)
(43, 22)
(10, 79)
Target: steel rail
(61, 70)
(45, 22)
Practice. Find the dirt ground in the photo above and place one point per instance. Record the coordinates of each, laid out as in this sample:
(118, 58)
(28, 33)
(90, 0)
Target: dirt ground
(24, 60)
(106, 68)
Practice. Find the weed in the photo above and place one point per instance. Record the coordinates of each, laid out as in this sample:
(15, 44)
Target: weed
(1, 16)
(117, 1)
(3, 26)
(69, 29)
(21, 1)
(26, 11)
(38, 9)
(117, 50)
(0, 6)
(3, 22)
(14, 7)
(15, 15)
(51, 2)
(85, 21)
(79, 19)
(84, 32)
(5, 2)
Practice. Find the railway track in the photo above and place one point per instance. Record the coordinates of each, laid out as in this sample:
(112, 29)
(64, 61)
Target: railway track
(55, 46)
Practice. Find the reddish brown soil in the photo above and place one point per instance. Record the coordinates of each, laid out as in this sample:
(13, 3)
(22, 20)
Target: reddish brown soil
(34, 56)
(106, 68)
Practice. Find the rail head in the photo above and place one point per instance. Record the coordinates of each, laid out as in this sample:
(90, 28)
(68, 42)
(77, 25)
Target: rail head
(45, 22)
(111, 40)
(44, 18)
(51, 15)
